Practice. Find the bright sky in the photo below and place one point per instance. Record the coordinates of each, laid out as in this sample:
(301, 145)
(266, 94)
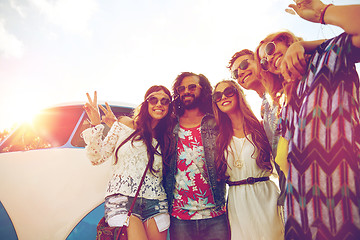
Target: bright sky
(54, 51)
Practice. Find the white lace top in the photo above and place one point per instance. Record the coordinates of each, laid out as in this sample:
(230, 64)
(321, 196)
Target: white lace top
(132, 161)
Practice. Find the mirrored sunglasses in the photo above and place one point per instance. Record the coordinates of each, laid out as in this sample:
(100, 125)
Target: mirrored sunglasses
(228, 92)
(264, 64)
(269, 50)
(242, 66)
(190, 87)
(154, 100)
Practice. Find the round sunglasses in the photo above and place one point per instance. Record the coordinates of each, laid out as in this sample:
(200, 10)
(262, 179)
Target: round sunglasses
(242, 66)
(154, 100)
(190, 87)
(269, 50)
(228, 92)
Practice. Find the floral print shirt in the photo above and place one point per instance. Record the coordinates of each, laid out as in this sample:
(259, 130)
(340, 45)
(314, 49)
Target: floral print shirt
(193, 198)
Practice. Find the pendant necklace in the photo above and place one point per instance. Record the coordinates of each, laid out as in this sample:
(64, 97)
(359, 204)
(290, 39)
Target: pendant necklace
(237, 161)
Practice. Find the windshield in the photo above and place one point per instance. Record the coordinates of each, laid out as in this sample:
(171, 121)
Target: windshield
(78, 141)
(51, 128)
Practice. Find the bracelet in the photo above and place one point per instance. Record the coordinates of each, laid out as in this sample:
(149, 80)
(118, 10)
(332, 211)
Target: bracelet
(323, 13)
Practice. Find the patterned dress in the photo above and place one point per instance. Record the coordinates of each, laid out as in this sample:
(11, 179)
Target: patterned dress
(321, 123)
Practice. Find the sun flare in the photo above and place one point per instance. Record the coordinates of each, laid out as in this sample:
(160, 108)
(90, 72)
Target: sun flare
(22, 112)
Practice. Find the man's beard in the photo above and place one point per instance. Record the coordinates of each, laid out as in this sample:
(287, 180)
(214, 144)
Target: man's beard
(190, 104)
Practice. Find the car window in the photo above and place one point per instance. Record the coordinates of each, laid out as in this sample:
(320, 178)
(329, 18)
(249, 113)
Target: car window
(51, 128)
(78, 141)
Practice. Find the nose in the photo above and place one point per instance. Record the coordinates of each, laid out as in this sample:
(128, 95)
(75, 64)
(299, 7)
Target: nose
(238, 73)
(158, 104)
(223, 96)
(186, 90)
(269, 57)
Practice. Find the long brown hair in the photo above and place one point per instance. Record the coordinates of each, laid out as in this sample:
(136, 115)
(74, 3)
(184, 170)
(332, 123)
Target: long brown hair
(251, 125)
(143, 131)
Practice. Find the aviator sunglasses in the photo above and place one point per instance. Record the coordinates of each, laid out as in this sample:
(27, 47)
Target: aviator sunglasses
(228, 92)
(190, 87)
(269, 50)
(154, 100)
(242, 66)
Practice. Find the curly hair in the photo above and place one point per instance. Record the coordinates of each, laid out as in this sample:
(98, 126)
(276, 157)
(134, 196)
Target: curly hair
(144, 132)
(251, 125)
(205, 94)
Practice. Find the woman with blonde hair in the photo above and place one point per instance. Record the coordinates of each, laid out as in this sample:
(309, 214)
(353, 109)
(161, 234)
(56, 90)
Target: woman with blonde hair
(244, 159)
(321, 123)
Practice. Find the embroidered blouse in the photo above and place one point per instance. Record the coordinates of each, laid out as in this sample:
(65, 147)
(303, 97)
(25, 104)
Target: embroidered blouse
(132, 161)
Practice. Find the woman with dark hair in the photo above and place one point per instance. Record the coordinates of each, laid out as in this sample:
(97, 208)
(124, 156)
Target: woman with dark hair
(244, 159)
(132, 143)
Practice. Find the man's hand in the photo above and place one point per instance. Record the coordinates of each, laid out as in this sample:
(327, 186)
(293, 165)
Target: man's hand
(293, 65)
(309, 10)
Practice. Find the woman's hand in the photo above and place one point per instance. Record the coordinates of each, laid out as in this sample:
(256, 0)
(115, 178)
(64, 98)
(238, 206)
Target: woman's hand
(92, 110)
(109, 118)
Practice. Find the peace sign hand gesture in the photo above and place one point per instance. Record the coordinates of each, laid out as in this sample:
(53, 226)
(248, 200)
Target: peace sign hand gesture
(109, 118)
(92, 109)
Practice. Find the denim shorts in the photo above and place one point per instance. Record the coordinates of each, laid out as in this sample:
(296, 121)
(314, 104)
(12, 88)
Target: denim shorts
(117, 207)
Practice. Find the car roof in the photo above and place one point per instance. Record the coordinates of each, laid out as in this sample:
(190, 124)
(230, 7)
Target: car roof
(77, 104)
(80, 103)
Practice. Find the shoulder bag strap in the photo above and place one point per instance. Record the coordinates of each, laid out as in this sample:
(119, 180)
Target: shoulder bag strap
(136, 195)
(138, 190)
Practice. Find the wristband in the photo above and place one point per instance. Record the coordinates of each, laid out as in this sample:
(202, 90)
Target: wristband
(323, 13)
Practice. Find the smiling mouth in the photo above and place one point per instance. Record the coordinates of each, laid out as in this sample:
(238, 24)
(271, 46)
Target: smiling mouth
(277, 62)
(158, 111)
(226, 103)
(187, 97)
(245, 78)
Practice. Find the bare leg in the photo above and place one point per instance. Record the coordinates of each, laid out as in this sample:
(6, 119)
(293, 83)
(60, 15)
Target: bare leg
(136, 230)
(153, 232)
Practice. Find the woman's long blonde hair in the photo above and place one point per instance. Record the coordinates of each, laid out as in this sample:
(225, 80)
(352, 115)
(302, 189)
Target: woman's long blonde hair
(288, 38)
